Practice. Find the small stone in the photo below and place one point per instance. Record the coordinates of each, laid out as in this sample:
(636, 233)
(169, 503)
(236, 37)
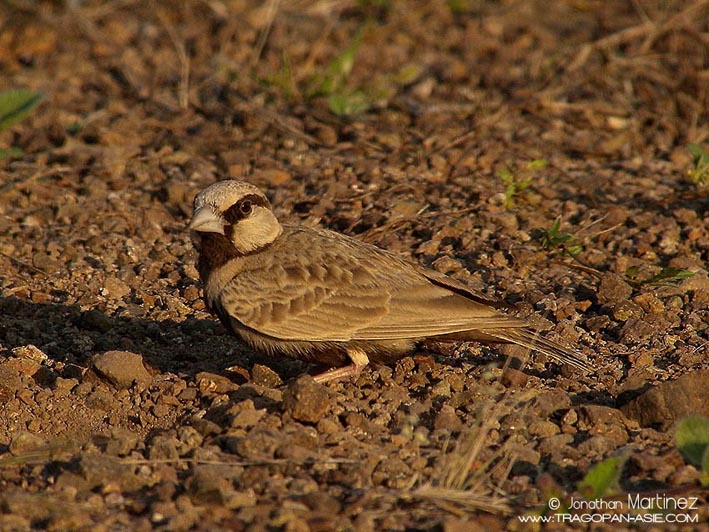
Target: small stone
(247, 418)
(685, 475)
(163, 448)
(546, 403)
(265, 376)
(121, 442)
(42, 261)
(114, 288)
(442, 389)
(96, 321)
(295, 453)
(240, 499)
(122, 368)
(448, 420)
(189, 436)
(327, 135)
(160, 411)
(98, 470)
(24, 366)
(592, 415)
(25, 442)
(392, 472)
(568, 422)
(64, 386)
(514, 378)
(101, 399)
(30, 352)
(213, 383)
(636, 331)
(272, 176)
(206, 427)
(597, 445)
(625, 310)
(320, 501)
(306, 400)
(670, 400)
(187, 395)
(543, 428)
(613, 289)
(259, 444)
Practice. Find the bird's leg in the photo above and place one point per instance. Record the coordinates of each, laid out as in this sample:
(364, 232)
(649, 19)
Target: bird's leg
(359, 361)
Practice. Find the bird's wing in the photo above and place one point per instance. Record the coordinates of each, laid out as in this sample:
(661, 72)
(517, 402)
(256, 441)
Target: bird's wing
(423, 309)
(341, 290)
(317, 302)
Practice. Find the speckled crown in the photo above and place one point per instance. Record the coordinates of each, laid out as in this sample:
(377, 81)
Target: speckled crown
(223, 194)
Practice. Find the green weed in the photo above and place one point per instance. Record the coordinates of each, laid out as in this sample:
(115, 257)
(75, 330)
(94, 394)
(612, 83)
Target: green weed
(602, 479)
(692, 440)
(666, 277)
(556, 239)
(699, 175)
(517, 180)
(14, 106)
(333, 82)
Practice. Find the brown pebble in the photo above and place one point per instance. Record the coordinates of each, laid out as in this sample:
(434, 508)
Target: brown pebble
(265, 376)
(306, 400)
(667, 401)
(24, 442)
(514, 378)
(122, 368)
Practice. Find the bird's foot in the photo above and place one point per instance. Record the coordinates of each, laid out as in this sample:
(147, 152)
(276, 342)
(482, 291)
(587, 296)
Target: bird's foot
(359, 359)
(335, 374)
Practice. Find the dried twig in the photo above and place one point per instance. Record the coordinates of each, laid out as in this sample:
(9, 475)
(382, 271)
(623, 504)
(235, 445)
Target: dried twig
(184, 58)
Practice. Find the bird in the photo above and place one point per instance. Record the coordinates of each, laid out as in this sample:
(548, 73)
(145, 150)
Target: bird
(324, 297)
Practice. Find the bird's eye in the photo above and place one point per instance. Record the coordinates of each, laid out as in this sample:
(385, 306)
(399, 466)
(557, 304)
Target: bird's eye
(245, 207)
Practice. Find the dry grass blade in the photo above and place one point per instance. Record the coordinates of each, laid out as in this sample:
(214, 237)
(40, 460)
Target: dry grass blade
(184, 58)
(37, 456)
(465, 499)
(271, 12)
(242, 463)
(651, 31)
(458, 469)
(463, 476)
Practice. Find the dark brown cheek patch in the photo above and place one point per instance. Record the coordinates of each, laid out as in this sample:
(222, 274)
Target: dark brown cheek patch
(229, 232)
(233, 214)
(216, 250)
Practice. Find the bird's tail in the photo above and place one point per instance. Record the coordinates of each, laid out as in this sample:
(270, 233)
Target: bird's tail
(533, 340)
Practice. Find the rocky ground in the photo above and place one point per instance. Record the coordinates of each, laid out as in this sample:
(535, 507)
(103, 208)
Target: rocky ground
(455, 133)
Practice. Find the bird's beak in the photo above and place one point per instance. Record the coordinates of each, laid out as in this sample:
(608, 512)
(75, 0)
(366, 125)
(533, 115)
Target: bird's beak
(205, 221)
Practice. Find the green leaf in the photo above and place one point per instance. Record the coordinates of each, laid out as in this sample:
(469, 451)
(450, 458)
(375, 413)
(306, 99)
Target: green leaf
(408, 74)
(348, 104)
(537, 164)
(15, 105)
(574, 250)
(670, 275)
(632, 272)
(11, 152)
(337, 72)
(554, 229)
(699, 154)
(603, 477)
(506, 176)
(692, 439)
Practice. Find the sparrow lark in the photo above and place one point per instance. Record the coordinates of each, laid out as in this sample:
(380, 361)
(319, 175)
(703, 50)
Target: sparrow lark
(324, 297)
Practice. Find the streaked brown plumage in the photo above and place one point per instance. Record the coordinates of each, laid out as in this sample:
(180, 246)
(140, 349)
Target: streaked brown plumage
(321, 296)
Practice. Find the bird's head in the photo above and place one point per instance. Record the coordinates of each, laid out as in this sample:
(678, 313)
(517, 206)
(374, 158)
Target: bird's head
(237, 210)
